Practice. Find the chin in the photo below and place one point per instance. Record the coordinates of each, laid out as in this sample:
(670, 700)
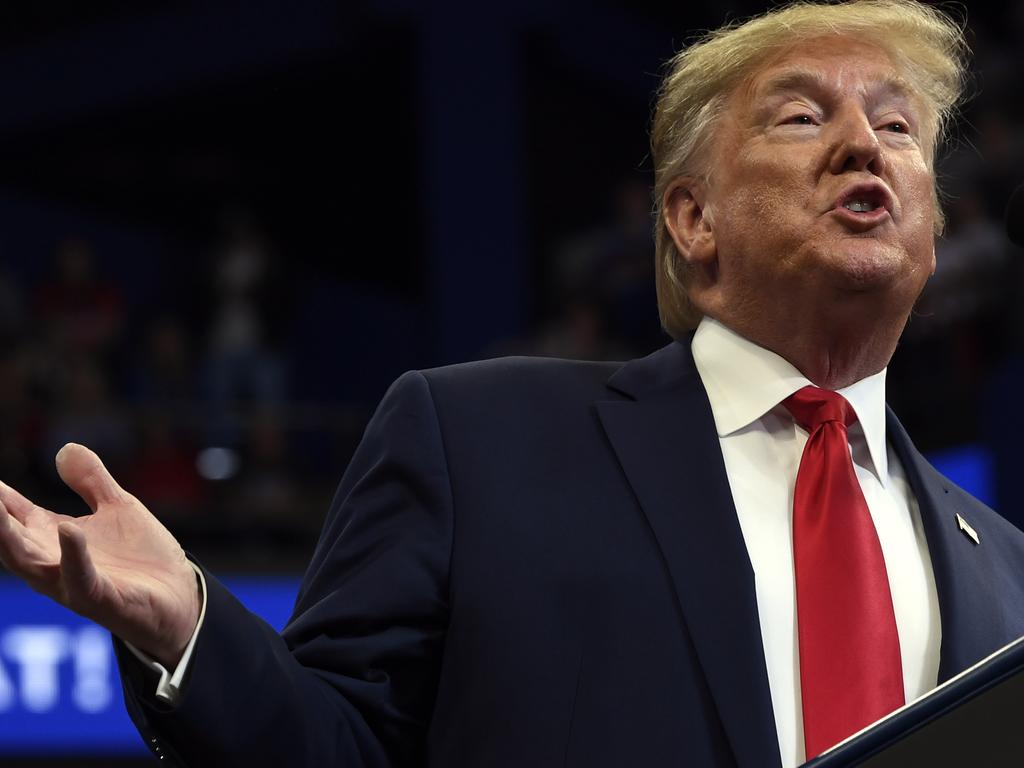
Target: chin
(867, 267)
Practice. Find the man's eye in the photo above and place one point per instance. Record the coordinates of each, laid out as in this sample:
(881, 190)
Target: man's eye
(896, 127)
(801, 120)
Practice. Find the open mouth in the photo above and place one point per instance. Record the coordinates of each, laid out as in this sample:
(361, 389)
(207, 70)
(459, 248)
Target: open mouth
(866, 199)
(860, 206)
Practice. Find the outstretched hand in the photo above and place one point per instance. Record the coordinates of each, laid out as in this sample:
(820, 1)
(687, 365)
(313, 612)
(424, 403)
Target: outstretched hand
(118, 566)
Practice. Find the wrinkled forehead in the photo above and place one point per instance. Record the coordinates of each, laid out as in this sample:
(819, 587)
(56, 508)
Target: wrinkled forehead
(799, 78)
(830, 64)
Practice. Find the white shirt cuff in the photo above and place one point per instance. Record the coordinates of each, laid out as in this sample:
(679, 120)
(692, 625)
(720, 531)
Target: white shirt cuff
(169, 686)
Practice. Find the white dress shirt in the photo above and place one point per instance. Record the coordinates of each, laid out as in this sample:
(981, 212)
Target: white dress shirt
(762, 446)
(168, 687)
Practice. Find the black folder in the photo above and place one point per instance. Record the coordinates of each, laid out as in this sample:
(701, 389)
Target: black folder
(974, 719)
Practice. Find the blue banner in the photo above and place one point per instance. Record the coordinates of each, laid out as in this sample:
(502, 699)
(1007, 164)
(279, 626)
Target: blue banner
(59, 689)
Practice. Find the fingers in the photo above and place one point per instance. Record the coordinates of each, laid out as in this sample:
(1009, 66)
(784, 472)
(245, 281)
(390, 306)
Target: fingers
(20, 554)
(84, 473)
(77, 570)
(10, 539)
(15, 503)
(6, 538)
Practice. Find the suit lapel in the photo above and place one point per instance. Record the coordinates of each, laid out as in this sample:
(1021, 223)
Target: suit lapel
(666, 442)
(970, 616)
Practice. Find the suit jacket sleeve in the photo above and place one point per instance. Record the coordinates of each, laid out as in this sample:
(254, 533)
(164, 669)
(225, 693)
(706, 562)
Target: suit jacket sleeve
(352, 679)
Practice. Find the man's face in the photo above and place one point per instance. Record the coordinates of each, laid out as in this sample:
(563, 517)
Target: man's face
(818, 190)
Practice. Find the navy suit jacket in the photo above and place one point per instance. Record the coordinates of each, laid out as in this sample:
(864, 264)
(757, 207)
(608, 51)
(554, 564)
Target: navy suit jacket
(537, 563)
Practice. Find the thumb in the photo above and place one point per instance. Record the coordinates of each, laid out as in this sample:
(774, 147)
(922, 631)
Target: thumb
(84, 473)
(76, 567)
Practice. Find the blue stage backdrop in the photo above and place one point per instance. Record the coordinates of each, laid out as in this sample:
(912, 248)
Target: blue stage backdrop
(59, 690)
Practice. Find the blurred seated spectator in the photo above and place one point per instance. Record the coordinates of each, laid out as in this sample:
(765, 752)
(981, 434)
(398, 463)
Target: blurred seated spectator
(246, 304)
(971, 264)
(607, 274)
(22, 420)
(12, 310)
(579, 332)
(84, 413)
(163, 469)
(958, 329)
(600, 289)
(266, 489)
(164, 370)
(80, 312)
(265, 506)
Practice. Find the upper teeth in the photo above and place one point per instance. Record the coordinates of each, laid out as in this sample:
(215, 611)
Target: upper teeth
(859, 205)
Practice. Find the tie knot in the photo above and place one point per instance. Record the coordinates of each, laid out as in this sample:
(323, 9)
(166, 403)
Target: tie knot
(811, 407)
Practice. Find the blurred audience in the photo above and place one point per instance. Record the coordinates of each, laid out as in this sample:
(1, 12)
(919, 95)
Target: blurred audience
(192, 406)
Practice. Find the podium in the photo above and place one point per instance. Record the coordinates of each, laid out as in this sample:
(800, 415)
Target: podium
(973, 719)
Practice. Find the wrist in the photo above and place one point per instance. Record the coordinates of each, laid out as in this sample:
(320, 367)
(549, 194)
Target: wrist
(172, 646)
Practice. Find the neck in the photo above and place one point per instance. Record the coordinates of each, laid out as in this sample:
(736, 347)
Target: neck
(833, 350)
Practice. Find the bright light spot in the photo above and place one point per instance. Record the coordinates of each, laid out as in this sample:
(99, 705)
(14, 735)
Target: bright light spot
(217, 463)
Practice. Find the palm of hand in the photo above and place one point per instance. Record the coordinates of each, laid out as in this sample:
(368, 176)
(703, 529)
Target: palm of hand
(118, 566)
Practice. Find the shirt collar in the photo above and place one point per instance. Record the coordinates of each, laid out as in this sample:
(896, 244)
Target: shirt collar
(745, 381)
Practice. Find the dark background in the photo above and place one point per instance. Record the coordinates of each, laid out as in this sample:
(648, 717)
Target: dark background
(226, 227)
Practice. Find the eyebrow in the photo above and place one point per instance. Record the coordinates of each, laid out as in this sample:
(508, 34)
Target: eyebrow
(799, 78)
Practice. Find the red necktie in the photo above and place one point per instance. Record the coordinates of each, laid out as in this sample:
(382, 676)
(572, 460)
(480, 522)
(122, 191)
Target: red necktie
(850, 668)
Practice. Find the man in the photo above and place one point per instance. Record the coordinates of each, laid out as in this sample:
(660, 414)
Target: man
(534, 562)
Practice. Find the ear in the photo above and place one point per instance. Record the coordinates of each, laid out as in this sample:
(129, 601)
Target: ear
(689, 221)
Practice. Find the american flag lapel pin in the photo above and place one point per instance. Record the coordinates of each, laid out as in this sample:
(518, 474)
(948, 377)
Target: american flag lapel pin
(966, 529)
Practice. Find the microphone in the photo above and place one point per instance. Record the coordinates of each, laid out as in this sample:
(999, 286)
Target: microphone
(1015, 216)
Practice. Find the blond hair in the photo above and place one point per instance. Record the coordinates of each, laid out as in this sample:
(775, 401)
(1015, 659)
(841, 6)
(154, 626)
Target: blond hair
(925, 44)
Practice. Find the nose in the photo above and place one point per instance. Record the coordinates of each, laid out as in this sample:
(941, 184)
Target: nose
(855, 144)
